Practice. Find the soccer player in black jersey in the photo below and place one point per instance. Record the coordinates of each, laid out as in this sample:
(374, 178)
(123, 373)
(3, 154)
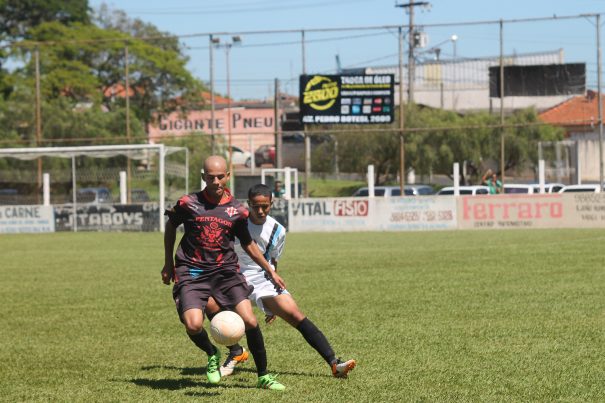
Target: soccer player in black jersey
(205, 265)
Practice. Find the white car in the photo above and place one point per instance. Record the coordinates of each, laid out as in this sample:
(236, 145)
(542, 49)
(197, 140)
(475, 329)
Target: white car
(382, 191)
(518, 188)
(241, 157)
(589, 188)
(465, 190)
(549, 187)
(387, 191)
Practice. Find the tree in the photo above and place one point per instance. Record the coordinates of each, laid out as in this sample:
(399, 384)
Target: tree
(80, 61)
(166, 58)
(117, 20)
(17, 17)
(471, 138)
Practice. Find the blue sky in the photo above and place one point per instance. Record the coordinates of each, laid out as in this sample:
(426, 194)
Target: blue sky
(262, 57)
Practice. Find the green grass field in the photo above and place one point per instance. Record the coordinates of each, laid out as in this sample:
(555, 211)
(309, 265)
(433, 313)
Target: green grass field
(441, 316)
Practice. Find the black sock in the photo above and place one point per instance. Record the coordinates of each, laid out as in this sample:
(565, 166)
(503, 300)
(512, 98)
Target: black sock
(210, 315)
(256, 345)
(203, 342)
(235, 349)
(317, 340)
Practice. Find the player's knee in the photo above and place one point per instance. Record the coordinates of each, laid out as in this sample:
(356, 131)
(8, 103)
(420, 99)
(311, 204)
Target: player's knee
(194, 325)
(293, 317)
(250, 322)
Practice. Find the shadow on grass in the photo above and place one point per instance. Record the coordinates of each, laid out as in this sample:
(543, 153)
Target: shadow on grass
(183, 383)
(168, 384)
(202, 371)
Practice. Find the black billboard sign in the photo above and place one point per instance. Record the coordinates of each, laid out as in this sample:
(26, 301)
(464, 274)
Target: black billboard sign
(347, 99)
(108, 217)
(538, 80)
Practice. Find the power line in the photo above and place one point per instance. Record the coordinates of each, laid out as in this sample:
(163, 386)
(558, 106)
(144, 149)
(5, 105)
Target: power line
(234, 9)
(268, 44)
(284, 31)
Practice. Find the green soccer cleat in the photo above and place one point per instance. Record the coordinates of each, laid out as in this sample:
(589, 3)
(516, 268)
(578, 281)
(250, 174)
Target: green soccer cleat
(212, 372)
(269, 381)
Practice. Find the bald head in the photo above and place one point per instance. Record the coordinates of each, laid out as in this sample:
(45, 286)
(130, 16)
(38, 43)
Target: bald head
(216, 177)
(215, 163)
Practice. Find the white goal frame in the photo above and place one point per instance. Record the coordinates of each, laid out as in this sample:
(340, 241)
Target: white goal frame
(130, 151)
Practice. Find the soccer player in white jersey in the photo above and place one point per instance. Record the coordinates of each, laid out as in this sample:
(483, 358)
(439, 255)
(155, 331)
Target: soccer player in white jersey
(269, 297)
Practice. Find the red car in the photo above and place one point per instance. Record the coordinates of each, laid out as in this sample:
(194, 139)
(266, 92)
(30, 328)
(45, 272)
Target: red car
(264, 154)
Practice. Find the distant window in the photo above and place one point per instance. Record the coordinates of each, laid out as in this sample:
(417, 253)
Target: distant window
(85, 197)
(579, 190)
(516, 190)
(482, 191)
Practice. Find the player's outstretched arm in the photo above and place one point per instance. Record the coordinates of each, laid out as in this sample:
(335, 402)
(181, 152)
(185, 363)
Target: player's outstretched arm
(169, 240)
(254, 252)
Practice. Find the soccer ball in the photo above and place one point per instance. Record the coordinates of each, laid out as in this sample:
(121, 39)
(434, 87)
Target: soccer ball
(227, 328)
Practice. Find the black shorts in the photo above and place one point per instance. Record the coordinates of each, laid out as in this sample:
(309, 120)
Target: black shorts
(227, 287)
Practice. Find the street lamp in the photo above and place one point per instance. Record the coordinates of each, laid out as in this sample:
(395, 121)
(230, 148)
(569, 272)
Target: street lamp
(454, 39)
(235, 40)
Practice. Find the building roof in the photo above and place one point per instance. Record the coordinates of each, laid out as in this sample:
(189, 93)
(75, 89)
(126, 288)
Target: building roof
(217, 98)
(581, 110)
(118, 90)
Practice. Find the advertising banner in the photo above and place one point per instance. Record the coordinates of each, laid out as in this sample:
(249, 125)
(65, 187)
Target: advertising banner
(416, 213)
(259, 122)
(110, 217)
(329, 214)
(584, 210)
(511, 211)
(26, 219)
(566, 210)
(347, 99)
(372, 214)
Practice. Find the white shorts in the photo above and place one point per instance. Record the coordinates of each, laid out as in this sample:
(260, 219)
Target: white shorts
(263, 288)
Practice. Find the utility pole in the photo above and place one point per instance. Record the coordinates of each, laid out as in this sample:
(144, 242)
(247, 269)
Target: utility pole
(276, 119)
(38, 119)
(502, 165)
(127, 95)
(401, 118)
(411, 61)
(212, 41)
(599, 100)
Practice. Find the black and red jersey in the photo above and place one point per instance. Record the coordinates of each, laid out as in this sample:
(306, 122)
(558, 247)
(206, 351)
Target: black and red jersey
(210, 231)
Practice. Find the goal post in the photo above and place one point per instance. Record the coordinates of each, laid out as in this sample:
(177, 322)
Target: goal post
(109, 172)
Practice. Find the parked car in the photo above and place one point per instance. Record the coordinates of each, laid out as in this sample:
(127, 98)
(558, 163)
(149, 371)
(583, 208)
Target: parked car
(241, 157)
(420, 190)
(518, 188)
(264, 154)
(9, 196)
(93, 195)
(465, 190)
(382, 191)
(590, 188)
(387, 191)
(549, 187)
(139, 196)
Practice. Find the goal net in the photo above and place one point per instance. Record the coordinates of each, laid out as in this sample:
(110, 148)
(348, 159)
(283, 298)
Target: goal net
(96, 188)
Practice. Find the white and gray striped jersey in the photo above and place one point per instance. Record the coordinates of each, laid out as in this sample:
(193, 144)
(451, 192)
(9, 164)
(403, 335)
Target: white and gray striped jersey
(271, 240)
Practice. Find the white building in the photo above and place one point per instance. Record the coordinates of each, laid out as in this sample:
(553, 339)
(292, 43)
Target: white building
(462, 84)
